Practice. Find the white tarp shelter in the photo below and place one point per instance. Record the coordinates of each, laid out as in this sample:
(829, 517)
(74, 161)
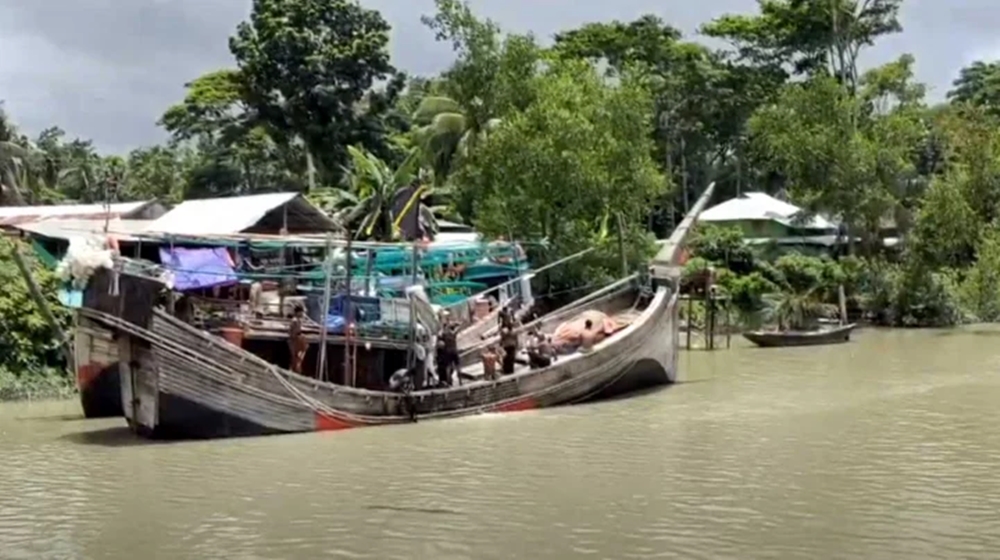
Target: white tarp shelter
(260, 213)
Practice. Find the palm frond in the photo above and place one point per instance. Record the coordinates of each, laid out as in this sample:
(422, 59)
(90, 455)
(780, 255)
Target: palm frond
(432, 106)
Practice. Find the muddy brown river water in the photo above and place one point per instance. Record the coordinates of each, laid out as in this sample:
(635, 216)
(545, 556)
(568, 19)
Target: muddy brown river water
(888, 447)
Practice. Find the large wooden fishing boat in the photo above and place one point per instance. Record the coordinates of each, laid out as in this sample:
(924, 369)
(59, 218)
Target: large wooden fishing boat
(96, 355)
(179, 381)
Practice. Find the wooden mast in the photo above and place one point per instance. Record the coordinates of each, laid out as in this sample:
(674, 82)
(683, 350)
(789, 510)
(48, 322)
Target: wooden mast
(348, 321)
(325, 309)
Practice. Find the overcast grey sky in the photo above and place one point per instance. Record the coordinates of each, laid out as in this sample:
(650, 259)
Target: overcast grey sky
(106, 69)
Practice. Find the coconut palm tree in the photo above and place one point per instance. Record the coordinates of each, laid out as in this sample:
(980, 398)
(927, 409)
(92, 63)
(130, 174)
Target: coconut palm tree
(446, 131)
(15, 154)
(364, 205)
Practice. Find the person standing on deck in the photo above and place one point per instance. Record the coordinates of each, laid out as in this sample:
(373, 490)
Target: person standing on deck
(540, 354)
(297, 343)
(490, 357)
(508, 342)
(451, 362)
(589, 337)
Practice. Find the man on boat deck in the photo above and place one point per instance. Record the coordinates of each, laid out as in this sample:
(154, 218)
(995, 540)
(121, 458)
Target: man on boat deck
(540, 352)
(297, 343)
(490, 357)
(589, 337)
(508, 342)
(449, 350)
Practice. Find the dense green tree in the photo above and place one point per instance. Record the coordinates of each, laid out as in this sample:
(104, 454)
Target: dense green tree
(487, 81)
(846, 156)
(574, 161)
(307, 69)
(809, 36)
(26, 342)
(979, 85)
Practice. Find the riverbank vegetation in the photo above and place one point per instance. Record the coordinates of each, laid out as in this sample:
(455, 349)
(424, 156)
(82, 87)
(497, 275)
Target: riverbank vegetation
(601, 135)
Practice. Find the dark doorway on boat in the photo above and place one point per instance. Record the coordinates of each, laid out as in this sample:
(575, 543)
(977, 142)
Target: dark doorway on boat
(369, 362)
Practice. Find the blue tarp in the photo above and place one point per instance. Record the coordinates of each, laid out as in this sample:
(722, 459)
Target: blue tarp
(198, 268)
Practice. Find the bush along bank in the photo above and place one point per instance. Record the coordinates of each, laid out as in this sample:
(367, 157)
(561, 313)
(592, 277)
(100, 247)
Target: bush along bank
(31, 363)
(885, 290)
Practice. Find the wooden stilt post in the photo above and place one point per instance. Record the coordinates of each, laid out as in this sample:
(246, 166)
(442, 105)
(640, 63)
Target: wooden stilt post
(348, 312)
(690, 317)
(325, 310)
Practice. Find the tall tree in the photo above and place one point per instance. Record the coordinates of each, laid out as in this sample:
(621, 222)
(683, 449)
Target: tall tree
(809, 36)
(979, 85)
(14, 155)
(308, 68)
(844, 155)
(488, 80)
(574, 163)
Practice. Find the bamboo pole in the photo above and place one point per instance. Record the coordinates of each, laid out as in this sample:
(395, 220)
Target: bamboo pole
(411, 355)
(690, 319)
(36, 294)
(347, 316)
(325, 310)
(842, 300)
(621, 244)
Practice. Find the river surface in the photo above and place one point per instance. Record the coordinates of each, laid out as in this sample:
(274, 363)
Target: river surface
(888, 447)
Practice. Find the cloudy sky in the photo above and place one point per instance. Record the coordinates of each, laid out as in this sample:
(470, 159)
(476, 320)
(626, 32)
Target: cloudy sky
(106, 69)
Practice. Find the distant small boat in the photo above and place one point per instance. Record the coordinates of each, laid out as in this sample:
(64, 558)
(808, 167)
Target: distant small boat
(778, 339)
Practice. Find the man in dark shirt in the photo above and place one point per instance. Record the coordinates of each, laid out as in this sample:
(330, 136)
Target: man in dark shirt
(449, 339)
(508, 341)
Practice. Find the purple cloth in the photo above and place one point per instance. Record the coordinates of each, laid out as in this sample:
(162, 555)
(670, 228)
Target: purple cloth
(198, 268)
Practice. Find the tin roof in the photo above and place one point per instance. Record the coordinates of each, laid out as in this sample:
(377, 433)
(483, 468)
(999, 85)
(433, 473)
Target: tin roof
(238, 214)
(12, 215)
(124, 230)
(761, 206)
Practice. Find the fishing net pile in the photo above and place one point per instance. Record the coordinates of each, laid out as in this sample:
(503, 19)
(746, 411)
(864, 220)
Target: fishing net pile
(84, 256)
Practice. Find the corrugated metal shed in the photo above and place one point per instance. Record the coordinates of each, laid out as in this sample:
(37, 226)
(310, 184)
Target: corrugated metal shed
(761, 206)
(11, 215)
(261, 213)
(124, 230)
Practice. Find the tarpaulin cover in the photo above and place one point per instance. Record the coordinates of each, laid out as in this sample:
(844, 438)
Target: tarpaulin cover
(198, 268)
(568, 335)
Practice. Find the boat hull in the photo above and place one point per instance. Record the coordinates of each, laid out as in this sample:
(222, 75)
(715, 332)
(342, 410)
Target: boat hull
(837, 335)
(178, 382)
(97, 375)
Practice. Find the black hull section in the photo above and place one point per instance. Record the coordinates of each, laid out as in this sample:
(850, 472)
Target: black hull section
(102, 397)
(645, 375)
(180, 418)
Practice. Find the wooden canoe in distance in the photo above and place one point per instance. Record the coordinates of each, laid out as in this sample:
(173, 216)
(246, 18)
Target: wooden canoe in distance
(778, 339)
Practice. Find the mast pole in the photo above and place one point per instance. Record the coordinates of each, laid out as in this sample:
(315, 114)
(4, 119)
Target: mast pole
(325, 310)
(347, 316)
(411, 354)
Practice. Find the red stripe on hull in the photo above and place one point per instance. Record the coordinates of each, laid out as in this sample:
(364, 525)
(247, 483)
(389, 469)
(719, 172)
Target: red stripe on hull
(327, 423)
(87, 373)
(517, 406)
